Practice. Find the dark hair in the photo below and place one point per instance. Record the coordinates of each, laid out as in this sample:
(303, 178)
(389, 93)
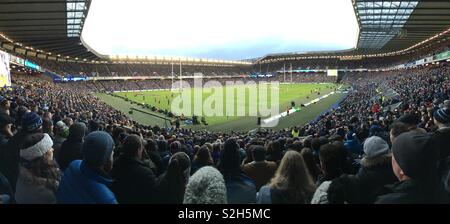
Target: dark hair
(230, 160)
(151, 146)
(204, 156)
(47, 125)
(315, 144)
(343, 189)
(398, 128)
(131, 145)
(307, 143)
(258, 153)
(308, 157)
(331, 159)
(296, 146)
(173, 182)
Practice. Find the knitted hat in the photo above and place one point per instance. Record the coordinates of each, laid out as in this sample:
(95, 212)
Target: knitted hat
(409, 119)
(97, 148)
(62, 128)
(37, 150)
(375, 146)
(414, 154)
(442, 115)
(206, 186)
(31, 121)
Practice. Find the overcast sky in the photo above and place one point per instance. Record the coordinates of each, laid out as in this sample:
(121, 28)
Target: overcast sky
(219, 29)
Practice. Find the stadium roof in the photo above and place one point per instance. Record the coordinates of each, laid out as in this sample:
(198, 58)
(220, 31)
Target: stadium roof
(393, 27)
(396, 25)
(51, 27)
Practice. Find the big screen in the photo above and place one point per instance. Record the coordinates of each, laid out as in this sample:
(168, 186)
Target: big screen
(5, 76)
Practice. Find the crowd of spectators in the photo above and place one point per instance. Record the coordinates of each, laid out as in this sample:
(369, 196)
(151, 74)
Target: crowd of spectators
(60, 144)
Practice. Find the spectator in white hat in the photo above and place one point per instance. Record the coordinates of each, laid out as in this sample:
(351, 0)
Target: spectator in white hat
(38, 174)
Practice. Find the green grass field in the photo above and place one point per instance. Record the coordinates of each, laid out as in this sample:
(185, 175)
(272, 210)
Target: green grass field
(226, 98)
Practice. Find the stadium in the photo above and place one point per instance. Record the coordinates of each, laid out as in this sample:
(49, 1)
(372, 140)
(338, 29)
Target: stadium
(342, 102)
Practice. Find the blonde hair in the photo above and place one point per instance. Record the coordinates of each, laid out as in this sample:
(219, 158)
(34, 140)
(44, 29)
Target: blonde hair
(293, 177)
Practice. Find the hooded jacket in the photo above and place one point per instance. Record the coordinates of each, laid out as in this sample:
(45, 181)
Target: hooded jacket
(82, 185)
(134, 182)
(373, 175)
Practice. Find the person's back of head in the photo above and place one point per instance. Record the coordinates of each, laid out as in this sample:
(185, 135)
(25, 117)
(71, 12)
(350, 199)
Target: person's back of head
(229, 161)
(151, 146)
(36, 154)
(293, 177)
(396, 129)
(173, 182)
(97, 151)
(410, 119)
(343, 190)
(203, 155)
(206, 186)
(331, 160)
(133, 146)
(315, 144)
(77, 131)
(413, 157)
(162, 146)
(93, 126)
(310, 162)
(258, 153)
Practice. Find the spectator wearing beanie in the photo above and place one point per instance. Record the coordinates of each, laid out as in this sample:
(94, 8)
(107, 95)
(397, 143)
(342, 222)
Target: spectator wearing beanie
(376, 169)
(172, 184)
(206, 186)
(61, 132)
(442, 144)
(87, 181)
(134, 181)
(414, 164)
(260, 170)
(9, 164)
(291, 184)
(240, 188)
(71, 148)
(38, 174)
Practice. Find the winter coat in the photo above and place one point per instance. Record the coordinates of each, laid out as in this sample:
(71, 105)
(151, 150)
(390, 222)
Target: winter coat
(373, 175)
(260, 172)
(35, 190)
(410, 192)
(240, 188)
(134, 182)
(82, 185)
